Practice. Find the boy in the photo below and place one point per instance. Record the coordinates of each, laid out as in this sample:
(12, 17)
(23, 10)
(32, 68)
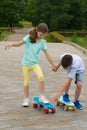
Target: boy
(75, 68)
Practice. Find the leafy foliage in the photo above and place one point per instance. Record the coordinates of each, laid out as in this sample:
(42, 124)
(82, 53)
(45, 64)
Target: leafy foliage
(58, 14)
(57, 37)
(10, 12)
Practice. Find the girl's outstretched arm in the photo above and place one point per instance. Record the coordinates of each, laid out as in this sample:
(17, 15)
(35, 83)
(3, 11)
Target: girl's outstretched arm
(14, 44)
(49, 57)
(50, 60)
(58, 65)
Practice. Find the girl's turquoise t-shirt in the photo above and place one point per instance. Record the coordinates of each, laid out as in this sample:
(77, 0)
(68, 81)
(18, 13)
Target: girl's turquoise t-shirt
(32, 51)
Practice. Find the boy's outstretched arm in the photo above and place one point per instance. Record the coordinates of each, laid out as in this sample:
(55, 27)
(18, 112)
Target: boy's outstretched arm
(14, 44)
(63, 89)
(58, 65)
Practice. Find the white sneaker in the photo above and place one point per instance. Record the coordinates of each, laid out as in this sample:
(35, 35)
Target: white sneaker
(26, 102)
(43, 99)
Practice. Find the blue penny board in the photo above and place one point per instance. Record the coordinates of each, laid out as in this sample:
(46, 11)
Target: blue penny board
(47, 105)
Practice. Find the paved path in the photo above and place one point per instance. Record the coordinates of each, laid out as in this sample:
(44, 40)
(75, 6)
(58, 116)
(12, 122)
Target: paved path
(20, 33)
(13, 116)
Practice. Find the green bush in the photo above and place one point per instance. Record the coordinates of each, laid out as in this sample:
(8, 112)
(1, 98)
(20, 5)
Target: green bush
(48, 38)
(0, 32)
(2, 29)
(26, 24)
(70, 33)
(57, 37)
(2, 38)
(74, 37)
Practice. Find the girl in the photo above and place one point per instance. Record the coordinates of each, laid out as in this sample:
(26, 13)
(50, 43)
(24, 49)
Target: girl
(34, 43)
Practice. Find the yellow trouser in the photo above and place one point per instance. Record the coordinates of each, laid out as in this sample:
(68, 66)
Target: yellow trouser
(26, 73)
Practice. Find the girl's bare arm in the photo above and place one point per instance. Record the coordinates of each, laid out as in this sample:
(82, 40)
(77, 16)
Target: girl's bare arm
(58, 65)
(49, 57)
(14, 44)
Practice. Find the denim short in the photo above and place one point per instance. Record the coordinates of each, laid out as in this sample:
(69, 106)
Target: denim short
(79, 77)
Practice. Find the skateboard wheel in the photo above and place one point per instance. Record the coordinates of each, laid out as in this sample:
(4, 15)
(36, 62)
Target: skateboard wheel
(35, 105)
(41, 106)
(69, 108)
(65, 108)
(74, 108)
(46, 111)
(53, 110)
(59, 103)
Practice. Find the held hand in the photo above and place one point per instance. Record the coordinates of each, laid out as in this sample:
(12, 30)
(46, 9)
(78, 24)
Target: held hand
(54, 68)
(8, 46)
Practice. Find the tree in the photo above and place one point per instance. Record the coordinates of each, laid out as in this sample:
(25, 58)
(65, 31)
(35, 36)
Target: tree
(75, 10)
(54, 13)
(84, 10)
(10, 12)
(58, 14)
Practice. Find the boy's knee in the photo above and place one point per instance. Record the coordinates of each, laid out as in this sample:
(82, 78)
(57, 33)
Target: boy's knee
(79, 85)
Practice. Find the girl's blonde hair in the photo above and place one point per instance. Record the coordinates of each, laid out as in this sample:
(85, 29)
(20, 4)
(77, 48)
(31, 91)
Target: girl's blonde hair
(42, 27)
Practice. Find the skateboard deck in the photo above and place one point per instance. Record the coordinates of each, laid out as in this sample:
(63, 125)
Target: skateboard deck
(48, 107)
(68, 106)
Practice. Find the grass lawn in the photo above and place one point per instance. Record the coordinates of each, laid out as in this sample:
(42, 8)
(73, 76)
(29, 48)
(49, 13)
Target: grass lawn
(81, 41)
(48, 38)
(2, 38)
(5, 34)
